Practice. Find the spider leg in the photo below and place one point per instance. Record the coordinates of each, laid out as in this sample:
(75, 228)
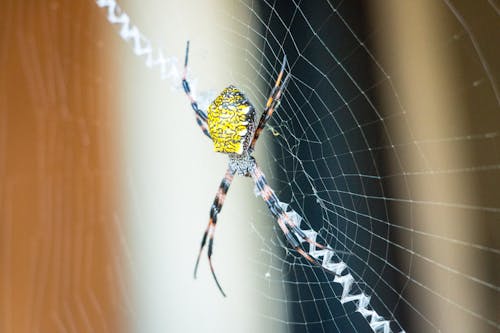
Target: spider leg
(283, 219)
(295, 228)
(201, 117)
(273, 102)
(210, 230)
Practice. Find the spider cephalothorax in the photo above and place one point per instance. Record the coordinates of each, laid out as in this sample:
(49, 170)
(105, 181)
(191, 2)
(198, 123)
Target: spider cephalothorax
(232, 126)
(242, 164)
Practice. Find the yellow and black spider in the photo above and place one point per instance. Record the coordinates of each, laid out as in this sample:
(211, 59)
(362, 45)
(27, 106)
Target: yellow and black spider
(232, 126)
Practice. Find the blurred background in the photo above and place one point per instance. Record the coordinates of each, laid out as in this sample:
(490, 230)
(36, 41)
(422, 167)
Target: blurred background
(386, 143)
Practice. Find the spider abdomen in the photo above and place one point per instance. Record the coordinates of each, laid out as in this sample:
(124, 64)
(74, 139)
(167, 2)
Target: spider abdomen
(231, 121)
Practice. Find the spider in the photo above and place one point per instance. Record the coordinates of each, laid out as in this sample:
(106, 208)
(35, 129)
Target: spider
(231, 123)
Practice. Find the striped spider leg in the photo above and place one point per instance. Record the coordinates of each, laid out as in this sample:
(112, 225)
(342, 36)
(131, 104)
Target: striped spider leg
(231, 123)
(272, 104)
(212, 222)
(283, 219)
(201, 117)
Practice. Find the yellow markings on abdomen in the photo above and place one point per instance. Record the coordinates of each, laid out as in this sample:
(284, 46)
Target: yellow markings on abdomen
(231, 121)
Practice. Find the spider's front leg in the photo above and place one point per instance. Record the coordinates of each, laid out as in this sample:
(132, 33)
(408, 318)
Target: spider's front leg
(201, 117)
(284, 221)
(210, 230)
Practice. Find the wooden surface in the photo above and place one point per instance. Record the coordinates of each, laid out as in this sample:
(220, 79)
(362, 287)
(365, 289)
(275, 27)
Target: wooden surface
(58, 176)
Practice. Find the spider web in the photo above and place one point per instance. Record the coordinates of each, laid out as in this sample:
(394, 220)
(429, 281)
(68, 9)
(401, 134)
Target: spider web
(385, 148)
(348, 157)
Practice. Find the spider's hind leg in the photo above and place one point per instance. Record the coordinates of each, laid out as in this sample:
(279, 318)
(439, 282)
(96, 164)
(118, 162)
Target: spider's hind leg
(201, 117)
(273, 102)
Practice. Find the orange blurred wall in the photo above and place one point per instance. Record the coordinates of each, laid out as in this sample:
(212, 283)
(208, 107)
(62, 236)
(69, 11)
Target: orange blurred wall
(58, 176)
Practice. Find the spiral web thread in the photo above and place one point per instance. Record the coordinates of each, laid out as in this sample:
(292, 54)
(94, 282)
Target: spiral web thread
(350, 291)
(350, 282)
(167, 66)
